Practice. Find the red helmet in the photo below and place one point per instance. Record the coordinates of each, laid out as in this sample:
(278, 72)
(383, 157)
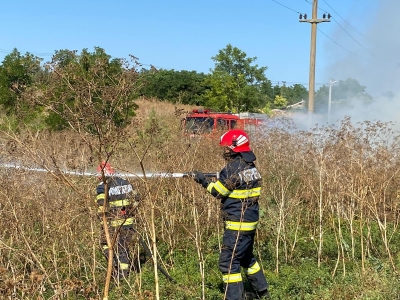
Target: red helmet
(237, 140)
(108, 170)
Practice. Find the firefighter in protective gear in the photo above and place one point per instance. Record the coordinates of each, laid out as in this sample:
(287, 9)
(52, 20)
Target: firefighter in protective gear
(118, 199)
(238, 187)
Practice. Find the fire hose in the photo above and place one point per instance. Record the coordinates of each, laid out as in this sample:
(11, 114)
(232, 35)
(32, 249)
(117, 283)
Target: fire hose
(118, 174)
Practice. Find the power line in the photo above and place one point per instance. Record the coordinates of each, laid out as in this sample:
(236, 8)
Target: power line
(342, 46)
(291, 83)
(286, 6)
(343, 27)
(336, 23)
(317, 7)
(349, 26)
(277, 82)
(318, 29)
(34, 53)
(348, 33)
(344, 19)
(353, 37)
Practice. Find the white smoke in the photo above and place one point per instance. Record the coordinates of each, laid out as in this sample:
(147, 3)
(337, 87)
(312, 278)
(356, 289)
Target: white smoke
(373, 58)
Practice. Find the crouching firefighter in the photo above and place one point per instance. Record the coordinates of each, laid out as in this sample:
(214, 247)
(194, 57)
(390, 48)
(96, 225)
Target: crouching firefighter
(238, 187)
(118, 200)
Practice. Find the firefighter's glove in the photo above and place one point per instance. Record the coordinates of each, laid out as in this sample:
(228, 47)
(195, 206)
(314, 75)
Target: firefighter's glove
(200, 178)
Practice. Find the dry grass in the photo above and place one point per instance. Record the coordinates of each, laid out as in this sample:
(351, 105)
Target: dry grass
(332, 188)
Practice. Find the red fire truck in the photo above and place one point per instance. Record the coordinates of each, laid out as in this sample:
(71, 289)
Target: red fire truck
(204, 121)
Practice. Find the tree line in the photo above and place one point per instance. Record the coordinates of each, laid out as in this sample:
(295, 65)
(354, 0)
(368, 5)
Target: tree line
(39, 92)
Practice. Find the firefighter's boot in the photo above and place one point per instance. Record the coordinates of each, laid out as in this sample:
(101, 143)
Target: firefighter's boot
(264, 294)
(249, 296)
(260, 295)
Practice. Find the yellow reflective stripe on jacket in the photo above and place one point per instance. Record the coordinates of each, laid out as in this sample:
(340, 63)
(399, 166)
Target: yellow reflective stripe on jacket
(230, 278)
(113, 204)
(210, 186)
(124, 266)
(221, 188)
(116, 223)
(243, 194)
(244, 226)
(119, 203)
(252, 270)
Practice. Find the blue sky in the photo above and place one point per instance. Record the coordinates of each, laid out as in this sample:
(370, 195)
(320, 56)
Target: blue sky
(360, 41)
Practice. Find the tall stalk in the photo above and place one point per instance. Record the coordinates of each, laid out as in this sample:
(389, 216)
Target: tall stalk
(320, 218)
(197, 238)
(154, 246)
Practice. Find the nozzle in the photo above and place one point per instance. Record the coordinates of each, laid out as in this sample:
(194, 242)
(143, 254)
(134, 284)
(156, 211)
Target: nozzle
(189, 174)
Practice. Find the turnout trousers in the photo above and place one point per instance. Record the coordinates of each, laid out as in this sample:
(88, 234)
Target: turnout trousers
(237, 254)
(121, 260)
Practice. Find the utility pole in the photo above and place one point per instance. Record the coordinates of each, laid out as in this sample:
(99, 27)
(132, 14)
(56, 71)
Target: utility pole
(331, 82)
(314, 21)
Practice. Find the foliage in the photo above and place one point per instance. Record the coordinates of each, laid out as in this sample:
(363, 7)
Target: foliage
(17, 73)
(266, 109)
(296, 93)
(237, 81)
(219, 96)
(90, 93)
(293, 94)
(94, 97)
(342, 94)
(184, 87)
(280, 102)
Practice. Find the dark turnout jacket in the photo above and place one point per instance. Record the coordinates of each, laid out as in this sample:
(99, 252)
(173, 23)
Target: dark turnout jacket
(121, 202)
(238, 188)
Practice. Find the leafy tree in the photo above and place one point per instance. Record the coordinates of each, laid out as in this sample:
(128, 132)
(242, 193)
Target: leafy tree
(64, 57)
(280, 102)
(321, 99)
(276, 90)
(267, 90)
(245, 83)
(89, 92)
(17, 72)
(296, 93)
(266, 109)
(292, 94)
(184, 87)
(343, 92)
(221, 91)
(94, 96)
